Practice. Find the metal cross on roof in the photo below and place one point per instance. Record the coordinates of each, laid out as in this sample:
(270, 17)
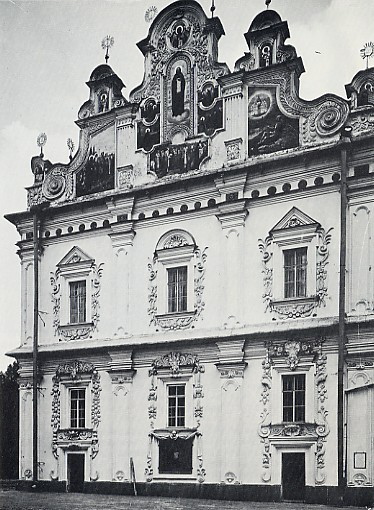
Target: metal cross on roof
(367, 52)
(212, 8)
(107, 43)
(267, 3)
(41, 141)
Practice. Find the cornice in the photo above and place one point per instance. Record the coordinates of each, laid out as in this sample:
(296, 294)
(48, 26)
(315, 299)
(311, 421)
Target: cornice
(257, 332)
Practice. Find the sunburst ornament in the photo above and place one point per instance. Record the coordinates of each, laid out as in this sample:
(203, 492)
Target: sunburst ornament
(107, 43)
(367, 52)
(150, 14)
(41, 141)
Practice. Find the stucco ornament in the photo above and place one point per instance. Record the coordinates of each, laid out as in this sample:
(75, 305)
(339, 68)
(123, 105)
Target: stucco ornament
(291, 352)
(78, 331)
(82, 438)
(300, 306)
(183, 320)
(176, 364)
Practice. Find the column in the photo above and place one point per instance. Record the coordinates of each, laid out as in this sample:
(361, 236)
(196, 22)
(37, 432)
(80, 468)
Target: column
(231, 367)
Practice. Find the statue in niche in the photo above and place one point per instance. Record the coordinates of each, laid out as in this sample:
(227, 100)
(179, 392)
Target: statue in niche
(103, 101)
(178, 86)
(265, 55)
(179, 36)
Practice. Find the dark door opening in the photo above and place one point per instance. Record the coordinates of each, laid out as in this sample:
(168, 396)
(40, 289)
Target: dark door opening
(175, 456)
(293, 476)
(75, 472)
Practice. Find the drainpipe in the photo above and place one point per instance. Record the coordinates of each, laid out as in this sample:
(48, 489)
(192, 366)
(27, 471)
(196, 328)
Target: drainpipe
(35, 350)
(344, 145)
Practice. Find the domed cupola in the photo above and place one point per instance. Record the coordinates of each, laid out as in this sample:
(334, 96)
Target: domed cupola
(361, 89)
(105, 92)
(265, 38)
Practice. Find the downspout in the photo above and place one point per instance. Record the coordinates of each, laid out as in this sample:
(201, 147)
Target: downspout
(35, 350)
(344, 144)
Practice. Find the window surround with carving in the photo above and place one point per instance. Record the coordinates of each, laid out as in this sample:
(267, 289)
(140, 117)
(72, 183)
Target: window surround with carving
(75, 267)
(176, 249)
(175, 369)
(295, 231)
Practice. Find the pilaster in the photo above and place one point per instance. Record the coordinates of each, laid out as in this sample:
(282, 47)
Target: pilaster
(231, 367)
(122, 375)
(122, 236)
(232, 217)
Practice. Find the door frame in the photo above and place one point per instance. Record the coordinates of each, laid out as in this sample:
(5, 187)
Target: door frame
(67, 454)
(283, 453)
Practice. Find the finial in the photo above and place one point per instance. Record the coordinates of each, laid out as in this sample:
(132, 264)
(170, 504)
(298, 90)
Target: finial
(41, 141)
(212, 8)
(107, 43)
(267, 2)
(71, 146)
(367, 52)
(150, 14)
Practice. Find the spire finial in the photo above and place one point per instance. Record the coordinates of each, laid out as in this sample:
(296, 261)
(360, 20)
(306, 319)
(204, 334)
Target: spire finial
(71, 146)
(367, 52)
(107, 43)
(212, 8)
(41, 141)
(267, 2)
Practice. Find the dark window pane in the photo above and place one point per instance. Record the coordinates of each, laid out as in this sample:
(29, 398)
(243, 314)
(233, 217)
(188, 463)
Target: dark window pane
(177, 289)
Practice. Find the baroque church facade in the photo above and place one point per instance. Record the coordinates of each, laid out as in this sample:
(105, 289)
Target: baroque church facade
(190, 260)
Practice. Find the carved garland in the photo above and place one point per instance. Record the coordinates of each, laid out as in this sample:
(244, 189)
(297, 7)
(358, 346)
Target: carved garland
(293, 310)
(180, 322)
(175, 363)
(67, 437)
(292, 351)
(78, 332)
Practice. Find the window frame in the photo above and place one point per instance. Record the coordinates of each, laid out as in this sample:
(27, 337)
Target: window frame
(66, 385)
(177, 407)
(78, 417)
(279, 369)
(171, 259)
(179, 301)
(295, 408)
(291, 288)
(79, 307)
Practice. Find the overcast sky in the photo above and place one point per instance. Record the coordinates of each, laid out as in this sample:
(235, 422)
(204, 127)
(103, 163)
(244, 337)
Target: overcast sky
(48, 49)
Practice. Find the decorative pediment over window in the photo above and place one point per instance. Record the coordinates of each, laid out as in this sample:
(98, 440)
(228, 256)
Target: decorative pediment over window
(75, 256)
(76, 374)
(295, 219)
(76, 287)
(176, 281)
(294, 259)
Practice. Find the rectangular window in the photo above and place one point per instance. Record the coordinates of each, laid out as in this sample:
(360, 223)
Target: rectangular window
(77, 300)
(176, 405)
(177, 289)
(293, 398)
(295, 271)
(78, 409)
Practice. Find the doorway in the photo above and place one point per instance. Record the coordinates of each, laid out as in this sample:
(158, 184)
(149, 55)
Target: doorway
(75, 472)
(293, 476)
